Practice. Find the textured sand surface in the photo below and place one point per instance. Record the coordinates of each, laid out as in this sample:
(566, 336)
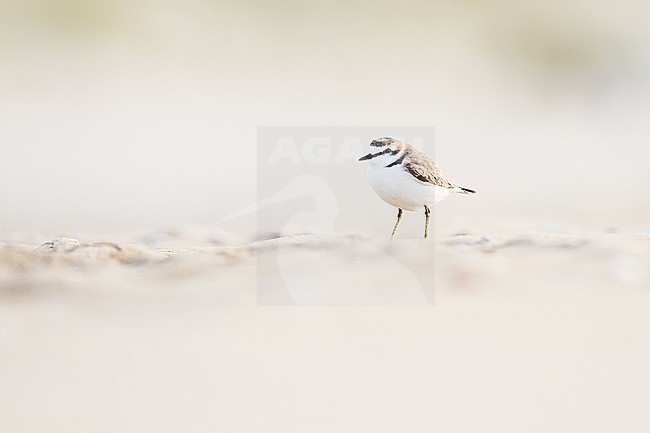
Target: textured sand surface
(531, 332)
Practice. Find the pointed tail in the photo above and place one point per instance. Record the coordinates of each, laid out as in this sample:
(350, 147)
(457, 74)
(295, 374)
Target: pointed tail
(466, 190)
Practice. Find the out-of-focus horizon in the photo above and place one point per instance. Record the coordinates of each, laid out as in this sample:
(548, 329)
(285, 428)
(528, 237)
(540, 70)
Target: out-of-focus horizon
(121, 115)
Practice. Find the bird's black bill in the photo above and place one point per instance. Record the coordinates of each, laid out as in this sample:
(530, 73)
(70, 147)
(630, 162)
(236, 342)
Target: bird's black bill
(372, 155)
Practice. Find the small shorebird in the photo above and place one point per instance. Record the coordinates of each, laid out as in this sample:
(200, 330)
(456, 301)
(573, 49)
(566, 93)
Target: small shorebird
(406, 178)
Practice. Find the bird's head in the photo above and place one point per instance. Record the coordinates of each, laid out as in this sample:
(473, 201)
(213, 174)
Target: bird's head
(383, 151)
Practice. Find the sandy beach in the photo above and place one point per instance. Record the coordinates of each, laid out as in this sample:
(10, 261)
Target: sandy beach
(542, 329)
(190, 243)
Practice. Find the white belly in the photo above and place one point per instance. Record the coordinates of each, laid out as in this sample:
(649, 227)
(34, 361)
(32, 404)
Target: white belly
(398, 188)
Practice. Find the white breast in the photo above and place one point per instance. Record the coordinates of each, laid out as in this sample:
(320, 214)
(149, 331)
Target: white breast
(398, 188)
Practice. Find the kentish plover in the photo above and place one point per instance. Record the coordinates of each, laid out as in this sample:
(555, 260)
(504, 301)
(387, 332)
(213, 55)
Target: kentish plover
(406, 178)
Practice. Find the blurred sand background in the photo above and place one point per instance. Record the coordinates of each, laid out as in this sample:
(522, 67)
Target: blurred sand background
(135, 123)
(119, 115)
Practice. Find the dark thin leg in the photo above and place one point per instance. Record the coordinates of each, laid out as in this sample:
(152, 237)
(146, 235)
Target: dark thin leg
(427, 212)
(399, 218)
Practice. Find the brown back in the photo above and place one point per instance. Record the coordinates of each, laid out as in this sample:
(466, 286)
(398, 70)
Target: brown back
(424, 168)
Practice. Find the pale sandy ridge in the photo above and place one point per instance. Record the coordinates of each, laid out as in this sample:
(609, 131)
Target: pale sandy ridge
(596, 259)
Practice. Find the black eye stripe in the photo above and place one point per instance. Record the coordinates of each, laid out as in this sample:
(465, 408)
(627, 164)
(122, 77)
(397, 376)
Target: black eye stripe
(384, 152)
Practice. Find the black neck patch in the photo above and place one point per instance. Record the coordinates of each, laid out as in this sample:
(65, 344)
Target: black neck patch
(397, 161)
